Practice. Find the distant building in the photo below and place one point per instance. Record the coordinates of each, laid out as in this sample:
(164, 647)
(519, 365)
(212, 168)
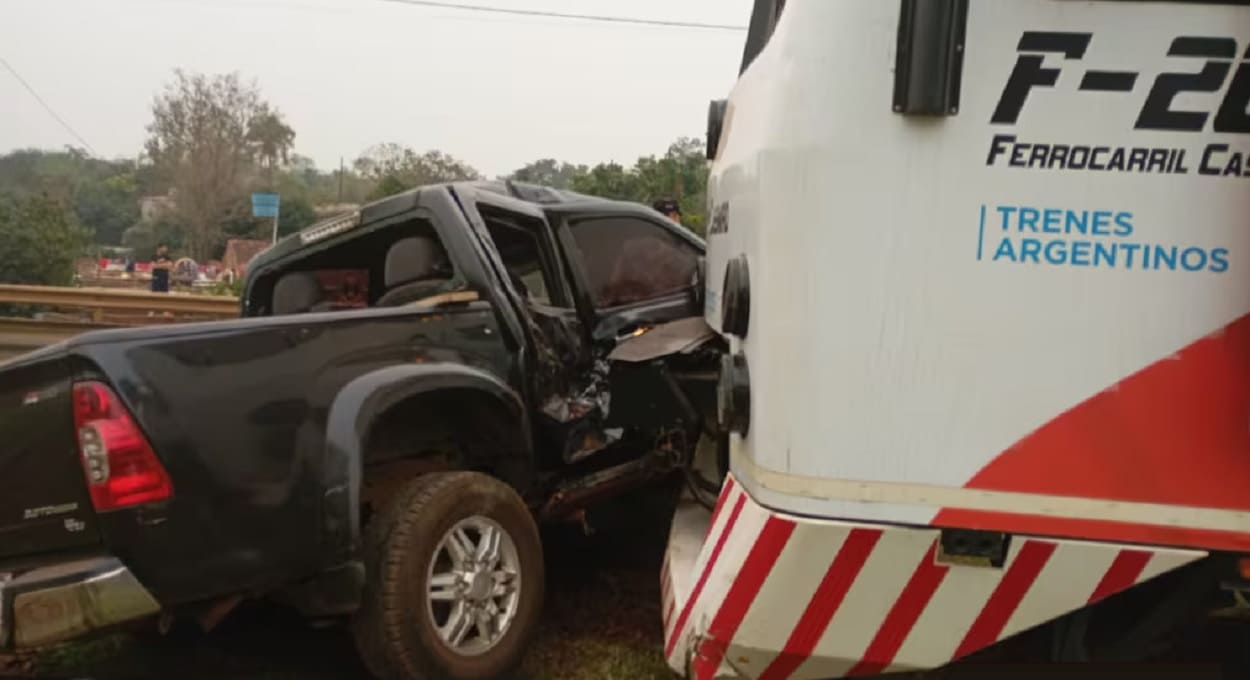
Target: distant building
(240, 252)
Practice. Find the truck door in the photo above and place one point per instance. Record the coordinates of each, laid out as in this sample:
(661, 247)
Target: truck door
(558, 364)
(633, 271)
(630, 268)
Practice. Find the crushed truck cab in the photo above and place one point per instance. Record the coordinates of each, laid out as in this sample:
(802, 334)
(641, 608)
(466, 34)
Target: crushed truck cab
(982, 267)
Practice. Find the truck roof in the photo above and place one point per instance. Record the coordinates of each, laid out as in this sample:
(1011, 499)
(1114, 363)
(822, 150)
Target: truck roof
(407, 200)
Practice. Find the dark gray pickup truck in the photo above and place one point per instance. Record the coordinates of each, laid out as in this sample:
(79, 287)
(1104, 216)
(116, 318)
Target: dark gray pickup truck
(410, 389)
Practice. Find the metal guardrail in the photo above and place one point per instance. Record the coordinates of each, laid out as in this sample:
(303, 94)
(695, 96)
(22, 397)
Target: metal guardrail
(110, 299)
(18, 336)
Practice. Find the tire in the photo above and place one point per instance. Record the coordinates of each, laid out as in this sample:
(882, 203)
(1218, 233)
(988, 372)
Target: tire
(397, 628)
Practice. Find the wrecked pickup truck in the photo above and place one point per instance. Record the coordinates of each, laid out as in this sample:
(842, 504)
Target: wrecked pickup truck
(412, 387)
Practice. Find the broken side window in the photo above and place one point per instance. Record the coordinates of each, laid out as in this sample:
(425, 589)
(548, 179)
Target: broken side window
(388, 266)
(629, 260)
(523, 256)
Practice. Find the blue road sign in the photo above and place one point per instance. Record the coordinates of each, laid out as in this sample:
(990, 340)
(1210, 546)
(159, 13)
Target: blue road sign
(265, 205)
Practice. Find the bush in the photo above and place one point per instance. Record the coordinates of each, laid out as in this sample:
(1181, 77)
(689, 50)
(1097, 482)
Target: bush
(42, 241)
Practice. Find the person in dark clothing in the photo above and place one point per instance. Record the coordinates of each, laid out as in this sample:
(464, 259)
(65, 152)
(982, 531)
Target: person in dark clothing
(669, 208)
(161, 265)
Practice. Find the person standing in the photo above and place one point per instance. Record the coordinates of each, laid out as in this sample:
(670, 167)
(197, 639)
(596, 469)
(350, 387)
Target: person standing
(161, 265)
(669, 208)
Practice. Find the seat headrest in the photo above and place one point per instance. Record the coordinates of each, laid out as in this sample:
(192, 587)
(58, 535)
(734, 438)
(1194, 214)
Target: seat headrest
(413, 259)
(295, 293)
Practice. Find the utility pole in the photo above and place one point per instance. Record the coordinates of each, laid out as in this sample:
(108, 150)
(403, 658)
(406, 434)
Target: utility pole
(340, 180)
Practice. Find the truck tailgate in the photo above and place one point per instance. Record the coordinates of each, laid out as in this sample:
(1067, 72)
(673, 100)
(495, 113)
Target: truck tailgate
(44, 504)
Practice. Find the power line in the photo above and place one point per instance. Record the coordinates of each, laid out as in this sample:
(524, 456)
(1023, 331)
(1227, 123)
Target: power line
(563, 15)
(47, 107)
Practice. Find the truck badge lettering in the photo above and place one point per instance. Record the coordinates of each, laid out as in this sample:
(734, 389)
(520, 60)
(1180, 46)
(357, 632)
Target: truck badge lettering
(48, 510)
(32, 398)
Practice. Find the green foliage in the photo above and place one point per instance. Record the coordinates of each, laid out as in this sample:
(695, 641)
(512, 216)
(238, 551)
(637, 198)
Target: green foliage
(109, 207)
(208, 136)
(42, 240)
(550, 173)
(270, 137)
(103, 194)
(681, 174)
(213, 141)
(388, 186)
(394, 168)
(297, 213)
(227, 288)
(609, 180)
(144, 237)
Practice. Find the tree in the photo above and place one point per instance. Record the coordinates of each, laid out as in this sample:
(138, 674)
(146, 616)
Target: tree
(381, 160)
(199, 140)
(271, 139)
(549, 172)
(144, 237)
(108, 207)
(681, 174)
(394, 167)
(103, 194)
(609, 180)
(388, 186)
(42, 241)
(297, 213)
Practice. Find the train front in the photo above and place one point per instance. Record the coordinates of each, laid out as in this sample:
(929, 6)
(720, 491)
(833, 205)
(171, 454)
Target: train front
(985, 275)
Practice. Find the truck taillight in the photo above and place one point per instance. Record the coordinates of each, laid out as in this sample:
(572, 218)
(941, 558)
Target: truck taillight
(121, 468)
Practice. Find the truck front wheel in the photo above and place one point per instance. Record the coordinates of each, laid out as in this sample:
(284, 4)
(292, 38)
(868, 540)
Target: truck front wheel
(455, 581)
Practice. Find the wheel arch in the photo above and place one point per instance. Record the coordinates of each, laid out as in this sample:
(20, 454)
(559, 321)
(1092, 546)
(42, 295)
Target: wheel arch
(365, 402)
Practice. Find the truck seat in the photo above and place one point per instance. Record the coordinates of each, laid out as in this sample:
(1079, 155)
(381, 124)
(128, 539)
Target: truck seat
(416, 268)
(296, 293)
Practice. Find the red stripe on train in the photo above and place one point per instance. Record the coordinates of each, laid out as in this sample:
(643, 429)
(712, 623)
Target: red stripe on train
(823, 606)
(1123, 572)
(725, 492)
(742, 592)
(1002, 603)
(707, 570)
(1174, 433)
(902, 617)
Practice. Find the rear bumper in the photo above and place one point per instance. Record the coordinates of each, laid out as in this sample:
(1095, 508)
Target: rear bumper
(66, 600)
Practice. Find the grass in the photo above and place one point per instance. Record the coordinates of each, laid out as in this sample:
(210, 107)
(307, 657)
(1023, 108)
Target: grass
(592, 659)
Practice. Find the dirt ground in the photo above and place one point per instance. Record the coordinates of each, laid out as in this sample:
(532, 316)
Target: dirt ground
(601, 621)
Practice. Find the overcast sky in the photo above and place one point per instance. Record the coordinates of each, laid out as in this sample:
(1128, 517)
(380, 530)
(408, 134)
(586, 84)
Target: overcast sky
(496, 91)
